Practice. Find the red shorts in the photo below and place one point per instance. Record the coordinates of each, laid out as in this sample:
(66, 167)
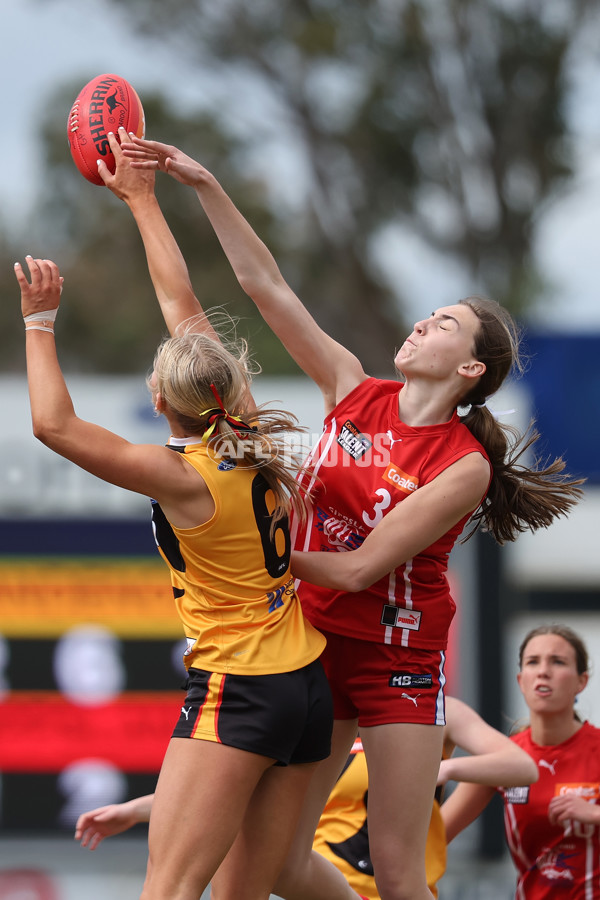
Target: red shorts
(381, 685)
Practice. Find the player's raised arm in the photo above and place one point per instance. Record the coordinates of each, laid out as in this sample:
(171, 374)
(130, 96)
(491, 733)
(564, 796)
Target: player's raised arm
(331, 366)
(167, 267)
(147, 469)
(106, 103)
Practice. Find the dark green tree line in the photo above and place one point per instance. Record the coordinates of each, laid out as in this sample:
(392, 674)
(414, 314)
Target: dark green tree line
(444, 121)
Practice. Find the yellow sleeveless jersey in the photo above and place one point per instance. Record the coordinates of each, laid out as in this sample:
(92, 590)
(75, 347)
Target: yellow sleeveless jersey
(342, 835)
(231, 579)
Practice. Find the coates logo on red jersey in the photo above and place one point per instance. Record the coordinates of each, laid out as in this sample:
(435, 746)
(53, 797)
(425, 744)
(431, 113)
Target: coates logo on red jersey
(400, 479)
(588, 790)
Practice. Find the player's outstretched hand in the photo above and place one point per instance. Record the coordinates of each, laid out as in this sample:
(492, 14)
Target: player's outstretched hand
(43, 292)
(128, 182)
(96, 824)
(166, 157)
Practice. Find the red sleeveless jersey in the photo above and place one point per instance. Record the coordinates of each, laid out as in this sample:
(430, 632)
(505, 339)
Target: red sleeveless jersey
(365, 462)
(563, 860)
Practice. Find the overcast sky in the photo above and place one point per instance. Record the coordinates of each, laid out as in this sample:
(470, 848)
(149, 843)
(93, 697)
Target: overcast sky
(45, 44)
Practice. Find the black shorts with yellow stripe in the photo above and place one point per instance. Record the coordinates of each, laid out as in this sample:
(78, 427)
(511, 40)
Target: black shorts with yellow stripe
(287, 717)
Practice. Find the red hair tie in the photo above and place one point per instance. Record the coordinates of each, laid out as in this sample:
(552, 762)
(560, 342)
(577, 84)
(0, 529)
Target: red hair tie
(221, 413)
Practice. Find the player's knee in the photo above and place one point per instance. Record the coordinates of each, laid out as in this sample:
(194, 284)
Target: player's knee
(401, 888)
(400, 877)
(294, 874)
(289, 879)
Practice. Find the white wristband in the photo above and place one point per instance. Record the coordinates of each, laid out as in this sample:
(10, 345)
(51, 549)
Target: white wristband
(41, 326)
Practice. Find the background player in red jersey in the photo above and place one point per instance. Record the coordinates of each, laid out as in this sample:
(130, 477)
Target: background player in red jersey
(395, 477)
(553, 826)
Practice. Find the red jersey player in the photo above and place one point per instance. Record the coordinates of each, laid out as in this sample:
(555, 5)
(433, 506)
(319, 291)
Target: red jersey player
(553, 826)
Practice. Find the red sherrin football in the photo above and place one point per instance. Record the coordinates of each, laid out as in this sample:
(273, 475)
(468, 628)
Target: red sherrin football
(106, 103)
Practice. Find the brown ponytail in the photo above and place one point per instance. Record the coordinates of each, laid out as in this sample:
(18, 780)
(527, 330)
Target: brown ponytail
(519, 498)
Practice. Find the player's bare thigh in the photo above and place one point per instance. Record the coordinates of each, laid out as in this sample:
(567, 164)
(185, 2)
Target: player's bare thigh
(403, 761)
(201, 797)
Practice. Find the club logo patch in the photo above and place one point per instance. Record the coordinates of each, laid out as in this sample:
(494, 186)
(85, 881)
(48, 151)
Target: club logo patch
(353, 441)
(226, 465)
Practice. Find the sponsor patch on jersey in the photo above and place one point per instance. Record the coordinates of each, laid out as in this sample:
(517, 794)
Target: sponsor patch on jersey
(517, 795)
(352, 440)
(410, 679)
(398, 617)
(401, 480)
(226, 465)
(588, 790)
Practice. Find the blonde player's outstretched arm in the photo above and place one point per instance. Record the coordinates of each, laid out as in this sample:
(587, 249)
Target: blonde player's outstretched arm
(148, 469)
(167, 267)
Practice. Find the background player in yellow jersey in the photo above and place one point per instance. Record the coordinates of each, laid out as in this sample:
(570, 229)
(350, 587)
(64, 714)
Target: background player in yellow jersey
(257, 715)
